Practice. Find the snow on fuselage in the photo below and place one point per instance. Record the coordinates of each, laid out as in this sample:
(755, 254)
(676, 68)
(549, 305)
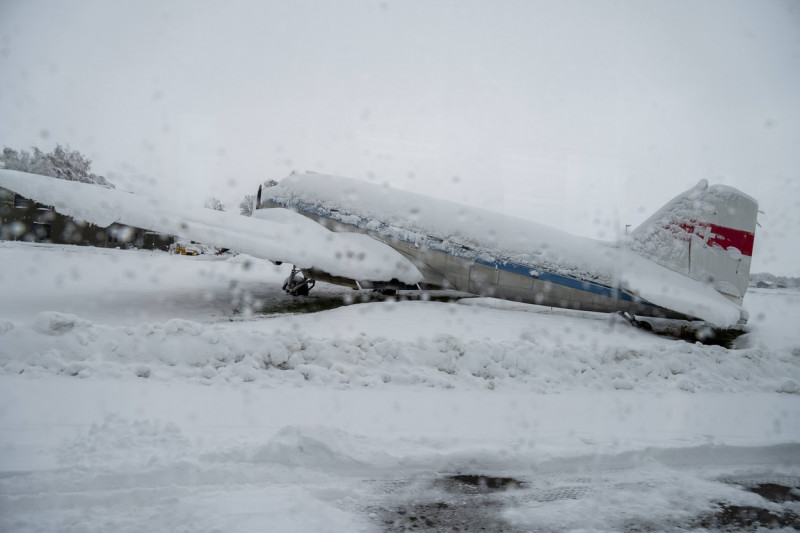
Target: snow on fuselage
(479, 251)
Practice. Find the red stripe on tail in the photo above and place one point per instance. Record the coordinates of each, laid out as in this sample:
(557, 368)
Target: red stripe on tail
(723, 237)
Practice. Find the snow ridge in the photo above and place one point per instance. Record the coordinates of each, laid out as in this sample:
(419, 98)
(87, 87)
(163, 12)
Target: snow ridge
(187, 350)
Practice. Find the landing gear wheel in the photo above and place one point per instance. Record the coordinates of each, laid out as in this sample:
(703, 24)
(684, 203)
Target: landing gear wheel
(631, 319)
(298, 285)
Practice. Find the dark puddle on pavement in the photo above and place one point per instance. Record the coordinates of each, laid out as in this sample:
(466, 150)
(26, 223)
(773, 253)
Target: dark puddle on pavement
(469, 503)
(750, 518)
(473, 484)
(474, 502)
(444, 516)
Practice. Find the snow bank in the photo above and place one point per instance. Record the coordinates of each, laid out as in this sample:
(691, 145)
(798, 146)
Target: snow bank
(243, 353)
(317, 447)
(118, 443)
(130, 286)
(190, 458)
(131, 474)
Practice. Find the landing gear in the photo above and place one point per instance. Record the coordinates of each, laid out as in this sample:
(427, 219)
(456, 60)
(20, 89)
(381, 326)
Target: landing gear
(627, 315)
(297, 284)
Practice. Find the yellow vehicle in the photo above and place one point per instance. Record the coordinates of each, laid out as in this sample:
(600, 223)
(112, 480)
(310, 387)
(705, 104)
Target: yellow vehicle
(185, 248)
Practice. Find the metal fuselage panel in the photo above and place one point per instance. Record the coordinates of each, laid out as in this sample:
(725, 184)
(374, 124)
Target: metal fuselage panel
(508, 282)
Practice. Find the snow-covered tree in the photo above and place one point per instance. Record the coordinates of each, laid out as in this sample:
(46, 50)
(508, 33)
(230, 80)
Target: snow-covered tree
(62, 163)
(215, 204)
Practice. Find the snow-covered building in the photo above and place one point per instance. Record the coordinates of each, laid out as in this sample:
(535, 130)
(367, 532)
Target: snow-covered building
(22, 219)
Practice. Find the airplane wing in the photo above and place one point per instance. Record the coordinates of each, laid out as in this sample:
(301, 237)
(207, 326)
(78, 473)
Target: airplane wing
(286, 237)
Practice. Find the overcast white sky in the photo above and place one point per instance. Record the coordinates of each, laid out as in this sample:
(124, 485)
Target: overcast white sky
(587, 115)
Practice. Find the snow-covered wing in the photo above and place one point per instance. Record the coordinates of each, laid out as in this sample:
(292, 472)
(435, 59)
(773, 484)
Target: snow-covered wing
(290, 239)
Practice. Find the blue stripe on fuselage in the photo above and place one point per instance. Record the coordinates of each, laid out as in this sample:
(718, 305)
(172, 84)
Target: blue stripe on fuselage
(560, 279)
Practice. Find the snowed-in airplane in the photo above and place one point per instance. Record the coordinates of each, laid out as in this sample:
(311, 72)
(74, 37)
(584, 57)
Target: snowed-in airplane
(690, 260)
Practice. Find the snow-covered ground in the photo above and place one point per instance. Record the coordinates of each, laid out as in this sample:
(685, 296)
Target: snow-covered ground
(146, 392)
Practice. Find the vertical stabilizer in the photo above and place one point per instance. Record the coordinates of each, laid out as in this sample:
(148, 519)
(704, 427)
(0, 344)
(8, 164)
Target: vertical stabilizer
(706, 233)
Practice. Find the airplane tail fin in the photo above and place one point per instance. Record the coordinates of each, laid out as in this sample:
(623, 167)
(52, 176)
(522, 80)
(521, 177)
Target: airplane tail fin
(706, 233)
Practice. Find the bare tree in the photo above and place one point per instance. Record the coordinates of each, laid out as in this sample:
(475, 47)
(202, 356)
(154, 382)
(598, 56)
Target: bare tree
(246, 205)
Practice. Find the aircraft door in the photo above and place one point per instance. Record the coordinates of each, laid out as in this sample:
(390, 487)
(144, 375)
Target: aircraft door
(457, 272)
(483, 279)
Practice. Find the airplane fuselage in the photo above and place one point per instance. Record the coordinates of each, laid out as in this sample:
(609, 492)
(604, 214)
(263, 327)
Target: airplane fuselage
(488, 276)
